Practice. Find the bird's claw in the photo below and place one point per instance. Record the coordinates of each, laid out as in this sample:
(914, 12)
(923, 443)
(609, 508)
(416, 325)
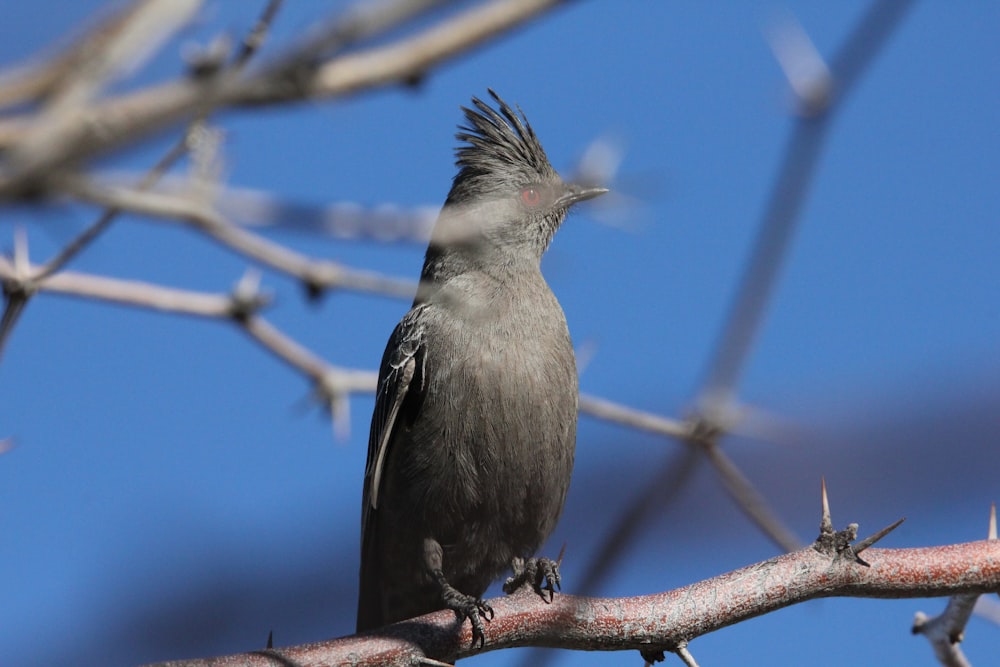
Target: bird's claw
(472, 608)
(548, 572)
(543, 573)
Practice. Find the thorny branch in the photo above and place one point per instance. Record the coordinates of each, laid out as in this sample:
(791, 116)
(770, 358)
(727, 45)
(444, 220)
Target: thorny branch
(662, 621)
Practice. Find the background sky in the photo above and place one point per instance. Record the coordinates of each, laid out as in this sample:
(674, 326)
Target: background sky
(172, 493)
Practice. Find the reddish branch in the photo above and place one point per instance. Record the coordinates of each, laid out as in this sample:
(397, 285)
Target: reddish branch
(660, 621)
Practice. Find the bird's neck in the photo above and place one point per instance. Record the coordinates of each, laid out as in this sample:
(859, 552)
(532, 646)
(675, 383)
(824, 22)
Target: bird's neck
(503, 268)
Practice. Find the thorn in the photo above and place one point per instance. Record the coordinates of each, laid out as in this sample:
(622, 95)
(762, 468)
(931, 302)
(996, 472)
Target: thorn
(829, 542)
(992, 532)
(841, 543)
(270, 639)
(825, 523)
(868, 541)
(562, 552)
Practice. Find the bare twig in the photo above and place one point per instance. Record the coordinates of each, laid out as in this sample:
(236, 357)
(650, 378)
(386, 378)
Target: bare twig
(631, 417)
(750, 500)
(364, 20)
(685, 655)
(317, 275)
(662, 486)
(255, 38)
(89, 54)
(74, 247)
(692, 431)
(128, 293)
(409, 60)
(333, 383)
(333, 380)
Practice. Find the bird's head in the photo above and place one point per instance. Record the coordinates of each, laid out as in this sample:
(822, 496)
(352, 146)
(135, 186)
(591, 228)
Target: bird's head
(506, 197)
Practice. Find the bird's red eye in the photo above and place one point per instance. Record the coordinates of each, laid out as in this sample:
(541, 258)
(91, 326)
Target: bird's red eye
(531, 196)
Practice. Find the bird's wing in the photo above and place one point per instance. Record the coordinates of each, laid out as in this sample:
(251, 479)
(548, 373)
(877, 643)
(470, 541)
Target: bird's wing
(402, 363)
(401, 381)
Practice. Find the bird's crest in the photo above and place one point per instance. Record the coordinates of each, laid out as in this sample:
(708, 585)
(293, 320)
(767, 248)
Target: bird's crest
(498, 142)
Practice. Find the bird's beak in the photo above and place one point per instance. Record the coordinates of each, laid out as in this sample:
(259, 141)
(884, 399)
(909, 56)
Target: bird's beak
(573, 193)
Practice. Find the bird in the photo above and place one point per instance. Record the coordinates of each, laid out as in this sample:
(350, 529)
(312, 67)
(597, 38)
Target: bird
(473, 434)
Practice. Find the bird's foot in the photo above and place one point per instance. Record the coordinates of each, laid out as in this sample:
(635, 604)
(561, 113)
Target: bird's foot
(541, 573)
(466, 607)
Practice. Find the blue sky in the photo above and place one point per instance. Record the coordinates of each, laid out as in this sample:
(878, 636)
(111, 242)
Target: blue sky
(172, 493)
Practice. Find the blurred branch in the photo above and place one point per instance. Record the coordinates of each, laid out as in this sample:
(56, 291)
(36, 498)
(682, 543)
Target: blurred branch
(408, 60)
(254, 39)
(37, 80)
(127, 42)
(127, 292)
(704, 436)
(364, 20)
(661, 488)
(316, 275)
(74, 247)
(661, 621)
(333, 384)
(632, 417)
(103, 126)
(155, 21)
(788, 196)
(191, 138)
(750, 500)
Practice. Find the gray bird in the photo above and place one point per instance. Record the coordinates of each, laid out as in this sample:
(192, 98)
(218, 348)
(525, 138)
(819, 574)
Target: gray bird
(474, 429)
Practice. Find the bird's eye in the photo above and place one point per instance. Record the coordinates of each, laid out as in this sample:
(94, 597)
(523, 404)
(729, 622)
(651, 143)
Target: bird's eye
(531, 197)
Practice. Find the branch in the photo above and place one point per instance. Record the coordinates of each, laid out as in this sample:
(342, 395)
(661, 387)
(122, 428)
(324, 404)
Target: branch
(123, 120)
(602, 408)
(405, 61)
(661, 621)
(334, 384)
(316, 275)
(946, 631)
(703, 434)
